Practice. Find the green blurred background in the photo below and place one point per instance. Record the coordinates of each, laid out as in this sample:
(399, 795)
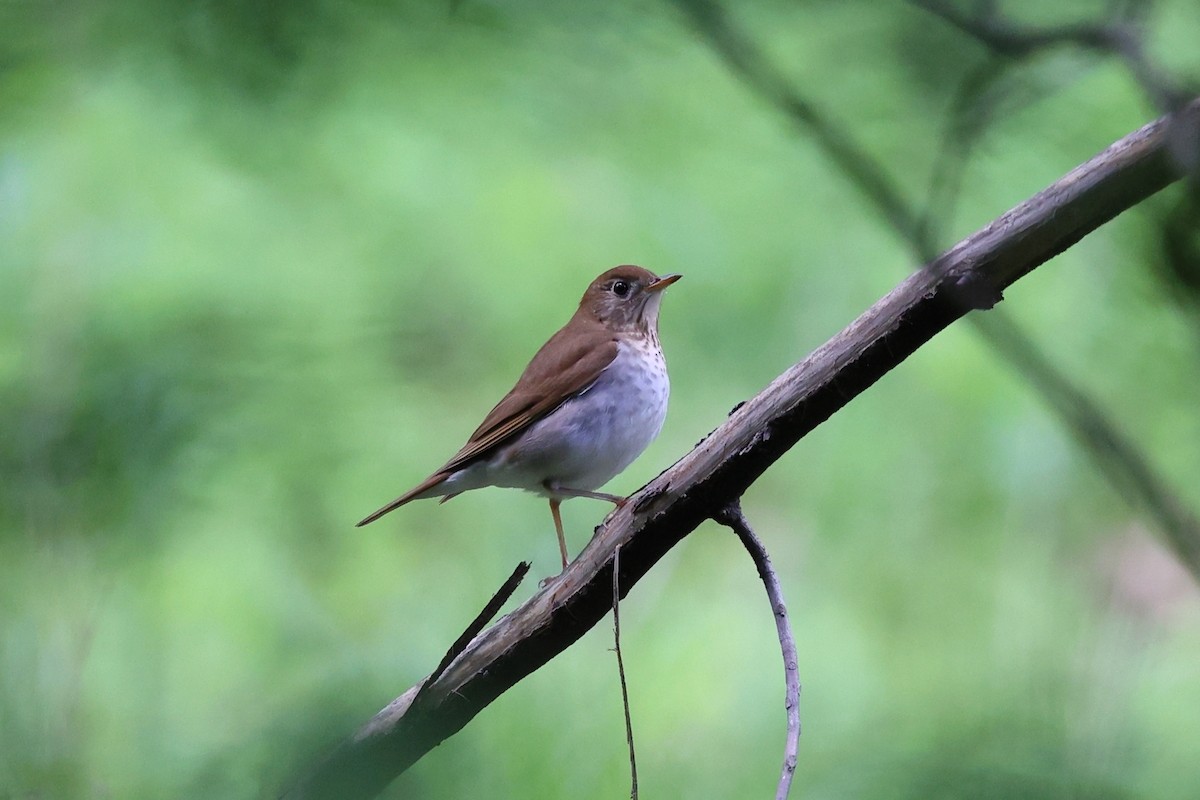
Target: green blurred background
(263, 266)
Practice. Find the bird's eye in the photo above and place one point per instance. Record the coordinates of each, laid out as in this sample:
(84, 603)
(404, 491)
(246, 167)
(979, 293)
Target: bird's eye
(620, 288)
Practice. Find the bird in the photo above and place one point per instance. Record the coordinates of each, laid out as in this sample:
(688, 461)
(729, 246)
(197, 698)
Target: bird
(590, 402)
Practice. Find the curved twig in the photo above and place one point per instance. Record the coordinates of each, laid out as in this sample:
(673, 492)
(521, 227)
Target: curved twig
(731, 516)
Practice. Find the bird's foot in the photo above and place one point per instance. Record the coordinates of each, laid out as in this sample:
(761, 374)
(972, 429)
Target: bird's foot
(567, 491)
(549, 579)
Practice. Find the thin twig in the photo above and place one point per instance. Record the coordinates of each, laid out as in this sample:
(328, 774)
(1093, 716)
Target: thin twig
(616, 607)
(731, 516)
(481, 620)
(1120, 36)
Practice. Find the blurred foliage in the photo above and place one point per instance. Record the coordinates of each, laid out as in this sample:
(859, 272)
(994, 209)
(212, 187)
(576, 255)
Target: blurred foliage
(265, 265)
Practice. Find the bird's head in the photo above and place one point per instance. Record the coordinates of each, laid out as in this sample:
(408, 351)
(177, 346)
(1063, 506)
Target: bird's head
(626, 298)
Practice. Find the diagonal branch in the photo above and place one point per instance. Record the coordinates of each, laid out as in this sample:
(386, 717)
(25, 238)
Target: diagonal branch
(731, 458)
(1116, 455)
(760, 75)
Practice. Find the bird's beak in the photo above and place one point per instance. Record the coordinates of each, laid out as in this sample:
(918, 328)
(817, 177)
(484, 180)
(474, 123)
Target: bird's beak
(662, 283)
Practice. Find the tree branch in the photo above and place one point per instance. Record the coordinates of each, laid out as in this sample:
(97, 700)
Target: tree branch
(760, 75)
(1117, 456)
(483, 618)
(1119, 36)
(724, 464)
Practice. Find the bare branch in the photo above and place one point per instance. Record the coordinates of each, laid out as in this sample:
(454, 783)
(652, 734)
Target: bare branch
(1119, 36)
(732, 457)
(731, 516)
(1013, 40)
(765, 79)
(1117, 457)
(354, 770)
(482, 619)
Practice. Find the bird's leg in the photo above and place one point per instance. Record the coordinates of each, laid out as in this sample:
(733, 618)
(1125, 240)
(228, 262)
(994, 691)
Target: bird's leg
(560, 492)
(558, 528)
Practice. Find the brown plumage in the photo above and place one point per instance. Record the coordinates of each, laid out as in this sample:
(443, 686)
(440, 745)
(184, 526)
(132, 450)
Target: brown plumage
(620, 305)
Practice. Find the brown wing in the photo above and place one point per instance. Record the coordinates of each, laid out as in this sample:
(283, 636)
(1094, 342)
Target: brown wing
(566, 365)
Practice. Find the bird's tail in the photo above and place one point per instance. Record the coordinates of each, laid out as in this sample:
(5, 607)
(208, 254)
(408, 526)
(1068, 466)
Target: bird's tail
(416, 493)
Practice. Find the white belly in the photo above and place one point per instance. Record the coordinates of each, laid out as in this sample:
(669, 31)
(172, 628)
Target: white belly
(589, 439)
